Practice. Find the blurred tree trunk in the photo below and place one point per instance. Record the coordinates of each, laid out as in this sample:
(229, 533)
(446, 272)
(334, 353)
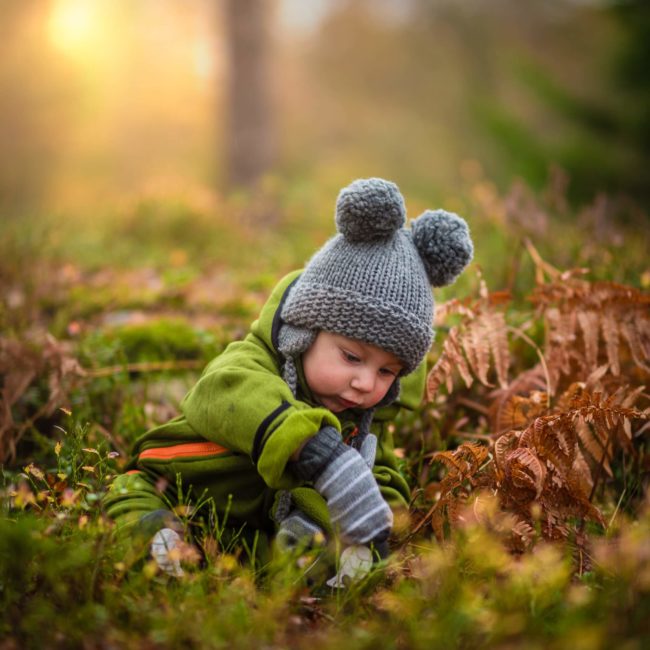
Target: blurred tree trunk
(250, 133)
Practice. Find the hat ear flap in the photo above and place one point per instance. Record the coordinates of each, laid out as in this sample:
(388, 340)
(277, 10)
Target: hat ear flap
(443, 241)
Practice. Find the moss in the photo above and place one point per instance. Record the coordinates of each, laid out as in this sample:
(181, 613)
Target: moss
(163, 339)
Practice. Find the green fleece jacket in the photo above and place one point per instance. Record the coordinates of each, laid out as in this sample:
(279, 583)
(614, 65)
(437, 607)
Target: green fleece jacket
(239, 426)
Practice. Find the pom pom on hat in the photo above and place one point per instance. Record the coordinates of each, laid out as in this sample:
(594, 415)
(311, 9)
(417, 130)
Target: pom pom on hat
(369, 210)
(372, 281)
(442, 238)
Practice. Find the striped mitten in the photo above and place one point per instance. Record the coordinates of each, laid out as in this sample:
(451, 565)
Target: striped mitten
(297, 529)
(342, 477)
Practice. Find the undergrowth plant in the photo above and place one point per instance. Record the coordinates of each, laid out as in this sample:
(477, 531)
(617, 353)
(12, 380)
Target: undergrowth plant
(528, 461)
(553, 433)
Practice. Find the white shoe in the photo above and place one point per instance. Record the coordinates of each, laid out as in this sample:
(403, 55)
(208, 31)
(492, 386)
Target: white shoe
(356, 562)
(164, 541)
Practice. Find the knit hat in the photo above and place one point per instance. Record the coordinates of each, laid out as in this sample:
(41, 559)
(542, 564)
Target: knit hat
(372, 281)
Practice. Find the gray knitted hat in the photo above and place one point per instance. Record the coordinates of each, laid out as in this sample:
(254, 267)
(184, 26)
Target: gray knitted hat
(372, 281)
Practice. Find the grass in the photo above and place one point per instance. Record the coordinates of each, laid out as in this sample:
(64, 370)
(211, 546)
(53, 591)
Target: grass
(143, 320)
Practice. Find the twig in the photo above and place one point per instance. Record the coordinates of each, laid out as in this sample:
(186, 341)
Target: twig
(475, 406)
(599, 469)
(539, 262)
(145, 366)
(111, 438)
(473, 436)
(618, 505)
(547, 376)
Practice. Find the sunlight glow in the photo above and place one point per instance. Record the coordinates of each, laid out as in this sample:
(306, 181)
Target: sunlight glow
(73, 25)
(204, 59)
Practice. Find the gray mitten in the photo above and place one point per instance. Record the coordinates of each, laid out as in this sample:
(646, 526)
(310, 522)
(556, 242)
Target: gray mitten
(342, 477)
(297, 529)
(368, 449)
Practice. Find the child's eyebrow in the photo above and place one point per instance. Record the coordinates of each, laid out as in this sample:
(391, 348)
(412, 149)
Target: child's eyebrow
(352, 346)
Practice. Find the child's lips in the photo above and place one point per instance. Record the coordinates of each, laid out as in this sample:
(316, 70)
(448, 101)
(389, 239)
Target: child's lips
(347, 403)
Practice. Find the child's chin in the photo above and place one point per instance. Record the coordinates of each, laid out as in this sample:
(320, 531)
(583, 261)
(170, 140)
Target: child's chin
(332, 404)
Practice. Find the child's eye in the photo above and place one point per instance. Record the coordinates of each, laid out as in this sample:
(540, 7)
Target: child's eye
(388, 372)
(352, 358)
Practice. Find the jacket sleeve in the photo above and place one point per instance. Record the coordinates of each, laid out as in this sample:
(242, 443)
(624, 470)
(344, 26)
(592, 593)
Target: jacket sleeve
(242, 403)
(391, 481)
(392, 484)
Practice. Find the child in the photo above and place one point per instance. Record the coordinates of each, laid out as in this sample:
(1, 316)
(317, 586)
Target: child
(286, 431)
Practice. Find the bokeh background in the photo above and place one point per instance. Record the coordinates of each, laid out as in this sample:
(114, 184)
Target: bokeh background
(184, 154)
(106, 99)
(164, 162)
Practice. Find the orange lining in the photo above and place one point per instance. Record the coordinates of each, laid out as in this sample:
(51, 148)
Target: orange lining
(134, 471)
(353, 434)
(187, 449)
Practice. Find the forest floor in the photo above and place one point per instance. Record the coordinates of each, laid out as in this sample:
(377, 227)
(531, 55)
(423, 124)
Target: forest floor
(528, 458)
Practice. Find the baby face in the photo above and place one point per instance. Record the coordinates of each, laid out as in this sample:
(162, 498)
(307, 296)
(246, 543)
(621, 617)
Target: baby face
(345, 373)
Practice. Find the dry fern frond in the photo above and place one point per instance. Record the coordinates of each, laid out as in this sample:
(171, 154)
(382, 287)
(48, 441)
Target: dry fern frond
(525, 471)
(502, 447)
(604, 311)
(591, 443)
(450, 460)
(517, 411)
(22, 365)
(588, 321)
(638, 342)
(571, 446)
(522, 536)
(474, 454)
(608, 415)
(610, 335)
(473, 347)
(580, 475)
(549, 470)
(463, 465)
(496, 329)
(554, 439)
(559, 426)
(477, 349)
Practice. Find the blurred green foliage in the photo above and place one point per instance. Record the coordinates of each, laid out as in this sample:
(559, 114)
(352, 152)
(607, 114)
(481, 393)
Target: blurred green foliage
(162, 339)
(59, 568)
(61, 573)
(453, 101)
(410, 91)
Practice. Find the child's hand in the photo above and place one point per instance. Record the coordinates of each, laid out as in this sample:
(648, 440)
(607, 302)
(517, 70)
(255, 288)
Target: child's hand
(296, 530)
(342, 476)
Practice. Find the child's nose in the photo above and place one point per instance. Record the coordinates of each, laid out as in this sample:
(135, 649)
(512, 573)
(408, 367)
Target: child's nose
(363, 380)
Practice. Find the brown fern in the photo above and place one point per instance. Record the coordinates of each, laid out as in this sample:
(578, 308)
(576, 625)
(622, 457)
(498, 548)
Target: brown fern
(478, 344)
(525, 472)
(546, 472)
(23, 364)
(588, 321)
(558, 427)
(516, 411)
(463, 465)
(605, 312)
(477, 349)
